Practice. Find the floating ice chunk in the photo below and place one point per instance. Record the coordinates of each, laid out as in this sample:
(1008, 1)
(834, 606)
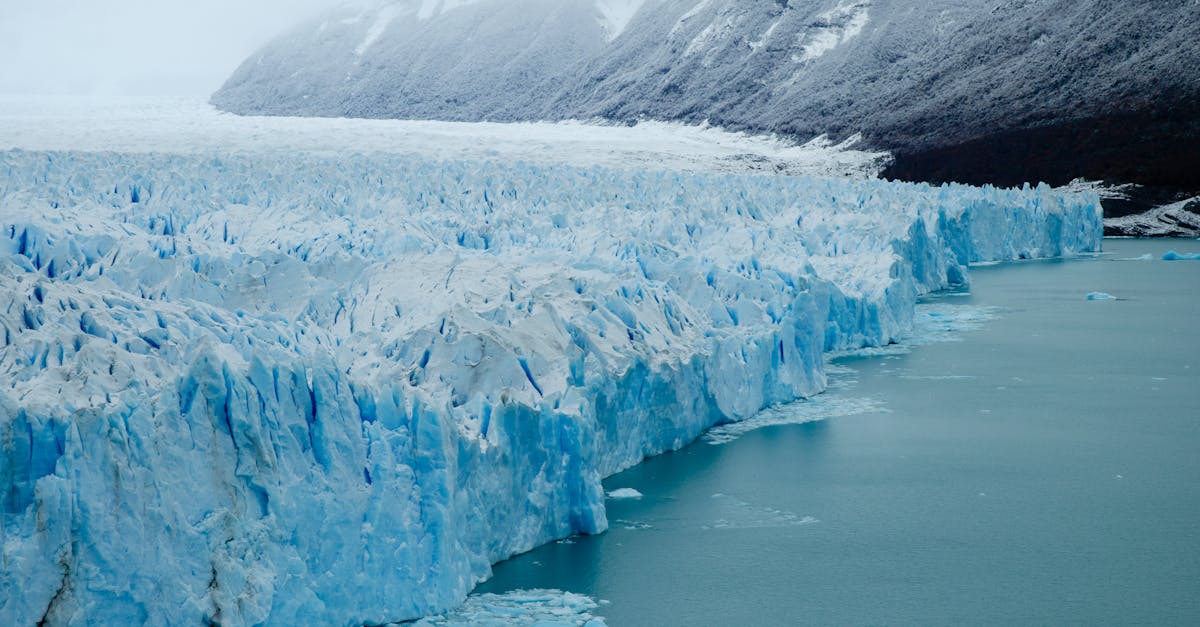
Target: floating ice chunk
(624, 493)
(1145, 257)
(1100, 296)
(1176, 256)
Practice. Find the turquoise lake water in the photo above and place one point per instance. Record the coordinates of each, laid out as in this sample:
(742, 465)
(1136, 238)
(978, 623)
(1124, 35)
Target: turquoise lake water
(1044, 468)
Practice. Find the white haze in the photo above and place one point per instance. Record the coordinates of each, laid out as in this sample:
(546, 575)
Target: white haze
(135, 48)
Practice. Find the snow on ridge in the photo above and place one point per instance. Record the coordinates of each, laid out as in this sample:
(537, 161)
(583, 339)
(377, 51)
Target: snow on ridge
(833, 28)
(689, 15)
(433, 8)
(615, 15)
(384, 372)
(387, 12)
(383, 18)
(706, 41)
(766, 36)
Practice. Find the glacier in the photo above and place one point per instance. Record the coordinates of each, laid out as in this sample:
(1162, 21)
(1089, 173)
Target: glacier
(184, 126)
(307, 387)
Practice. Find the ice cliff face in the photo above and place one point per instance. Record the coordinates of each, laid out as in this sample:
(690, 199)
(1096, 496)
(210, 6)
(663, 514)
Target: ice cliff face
(310, 389)
(995, 91)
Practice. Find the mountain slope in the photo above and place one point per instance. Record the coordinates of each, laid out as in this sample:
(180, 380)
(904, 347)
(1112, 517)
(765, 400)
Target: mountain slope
(456, 56)
(997, 91)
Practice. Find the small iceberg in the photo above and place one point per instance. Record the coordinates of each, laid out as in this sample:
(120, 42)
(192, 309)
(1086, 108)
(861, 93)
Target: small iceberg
(1175, 256)
(1100, 296)
(624, 493)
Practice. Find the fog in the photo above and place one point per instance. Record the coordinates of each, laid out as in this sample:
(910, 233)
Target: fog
(136, 47)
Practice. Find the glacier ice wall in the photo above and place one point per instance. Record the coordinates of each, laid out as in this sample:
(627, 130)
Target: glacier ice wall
(311, 389)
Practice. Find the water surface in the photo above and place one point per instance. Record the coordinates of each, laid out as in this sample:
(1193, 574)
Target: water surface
(1045, 469)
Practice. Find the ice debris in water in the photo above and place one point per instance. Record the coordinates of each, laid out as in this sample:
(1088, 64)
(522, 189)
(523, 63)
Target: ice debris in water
(624, 493)
(940, 321)
(735, 513)
(1177, 256)
(933, 322)
(302, 388)
(1100, 296)
(820, 407)
(546, 608)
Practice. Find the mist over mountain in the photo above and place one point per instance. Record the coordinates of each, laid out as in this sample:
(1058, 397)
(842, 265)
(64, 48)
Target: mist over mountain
(979, 91)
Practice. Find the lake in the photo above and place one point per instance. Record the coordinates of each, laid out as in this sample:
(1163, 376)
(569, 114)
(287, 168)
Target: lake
(1041, 466)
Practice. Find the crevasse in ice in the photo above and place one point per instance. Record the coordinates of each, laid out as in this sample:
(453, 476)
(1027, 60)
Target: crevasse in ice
(309, 389)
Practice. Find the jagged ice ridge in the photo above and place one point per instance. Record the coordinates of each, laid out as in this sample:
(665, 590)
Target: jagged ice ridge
(314, 389)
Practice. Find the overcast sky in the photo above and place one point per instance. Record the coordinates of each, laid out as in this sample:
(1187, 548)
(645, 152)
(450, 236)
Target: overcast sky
(136, 47)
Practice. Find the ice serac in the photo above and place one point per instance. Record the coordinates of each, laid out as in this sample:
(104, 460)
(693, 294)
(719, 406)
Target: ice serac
(305, 389)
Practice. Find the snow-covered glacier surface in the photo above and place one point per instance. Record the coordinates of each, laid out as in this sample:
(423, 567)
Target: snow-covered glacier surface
(313, 388)
(183, 126)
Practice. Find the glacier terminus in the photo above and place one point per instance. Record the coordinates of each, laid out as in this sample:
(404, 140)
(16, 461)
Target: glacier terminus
(316, 387)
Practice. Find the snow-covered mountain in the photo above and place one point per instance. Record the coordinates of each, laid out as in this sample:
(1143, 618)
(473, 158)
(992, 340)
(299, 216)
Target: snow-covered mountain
(1000, 91)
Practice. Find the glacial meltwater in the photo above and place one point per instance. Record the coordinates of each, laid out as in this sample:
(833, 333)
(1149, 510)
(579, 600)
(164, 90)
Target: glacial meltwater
(1032, 456)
